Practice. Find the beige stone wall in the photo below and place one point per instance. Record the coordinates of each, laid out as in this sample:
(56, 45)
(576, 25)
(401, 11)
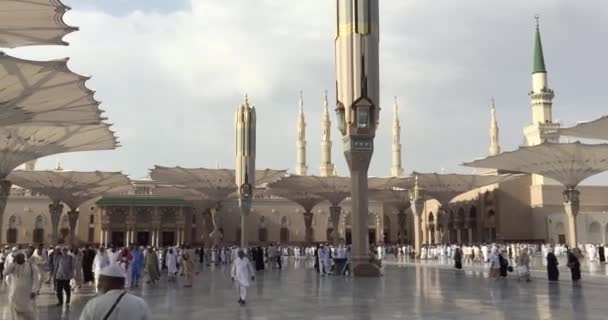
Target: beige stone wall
(272, 214)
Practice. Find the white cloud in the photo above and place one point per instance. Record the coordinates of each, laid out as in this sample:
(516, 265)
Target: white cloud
(171, 82)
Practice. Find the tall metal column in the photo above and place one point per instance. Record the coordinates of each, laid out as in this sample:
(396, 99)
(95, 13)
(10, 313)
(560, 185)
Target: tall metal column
(245, 162)
(358, 108)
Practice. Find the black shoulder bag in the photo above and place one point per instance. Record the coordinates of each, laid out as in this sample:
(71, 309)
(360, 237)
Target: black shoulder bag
(114, 306)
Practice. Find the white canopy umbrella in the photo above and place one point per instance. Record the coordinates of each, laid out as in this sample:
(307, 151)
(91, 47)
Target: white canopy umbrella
(595, 129)
(44, 93)
(306, 200)
(20, 144)
(32, 22)
(567, 163)
(445, 187)
(215, 184)
(331, 188)
(397, 198)
(70, 187)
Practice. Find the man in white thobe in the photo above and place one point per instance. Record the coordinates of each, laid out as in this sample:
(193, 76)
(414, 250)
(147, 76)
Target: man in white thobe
(171, 264)
(242, 274)
(100, 261)
(23, 280)
(115, 303)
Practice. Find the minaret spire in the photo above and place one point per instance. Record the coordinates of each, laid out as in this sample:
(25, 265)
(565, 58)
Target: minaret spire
(541, 98)
(494, 142)
(539, 58)
(301, 167)
(396, 169)
(327, 167)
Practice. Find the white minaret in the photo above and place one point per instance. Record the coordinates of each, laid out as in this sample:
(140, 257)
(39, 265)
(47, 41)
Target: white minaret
(301, 141)
(396, 169)
(541, 97)
(327, 167)
(494, 143)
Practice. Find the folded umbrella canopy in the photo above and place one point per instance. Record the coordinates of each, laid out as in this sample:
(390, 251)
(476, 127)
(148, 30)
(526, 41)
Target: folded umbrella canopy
(32, 22)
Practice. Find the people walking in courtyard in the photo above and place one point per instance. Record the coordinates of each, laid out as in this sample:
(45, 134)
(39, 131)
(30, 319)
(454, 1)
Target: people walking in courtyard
(23, 284)
(151, 265)
(63, 271)
(494, 264)
(458, 259)
(88, 256)
(242, 274)
(574, 263)
(523, 265)
(115, 302)
(171, 264)
(138, 266)
(78, 277)
(504, 264)
(125, 260)
(100, 261)
(552, 263)
(188, 268)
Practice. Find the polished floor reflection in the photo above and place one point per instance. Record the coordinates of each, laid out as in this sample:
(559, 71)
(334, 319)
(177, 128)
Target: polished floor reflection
(406, 291)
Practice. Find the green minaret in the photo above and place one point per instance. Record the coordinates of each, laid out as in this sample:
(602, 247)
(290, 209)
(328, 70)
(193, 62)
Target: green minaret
(539, 58)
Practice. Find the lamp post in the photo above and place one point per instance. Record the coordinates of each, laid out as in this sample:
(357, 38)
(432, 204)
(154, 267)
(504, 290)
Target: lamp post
(245, 162)
(358, 108)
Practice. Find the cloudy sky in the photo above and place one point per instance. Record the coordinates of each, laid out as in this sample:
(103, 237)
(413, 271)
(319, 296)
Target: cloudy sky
(171, 73)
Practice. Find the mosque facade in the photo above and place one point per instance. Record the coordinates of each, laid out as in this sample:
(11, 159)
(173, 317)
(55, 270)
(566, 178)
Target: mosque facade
(529, 208)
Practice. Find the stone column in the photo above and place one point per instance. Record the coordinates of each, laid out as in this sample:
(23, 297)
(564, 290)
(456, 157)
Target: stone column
(107, 237)
(437, 232)
(572, 206)
(5, 191)
(55, 210)
(470, 235)
(459, 235)
(401, 222)
(216, 237)
(73, 220)
(309, 237)
(417, 206)
(334, 212)
(359, 164)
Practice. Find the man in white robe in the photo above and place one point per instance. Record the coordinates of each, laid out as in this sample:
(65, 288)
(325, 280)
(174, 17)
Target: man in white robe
(23, 280)
(171, 264)
(100, 261)
(115, 303)
(242, 274)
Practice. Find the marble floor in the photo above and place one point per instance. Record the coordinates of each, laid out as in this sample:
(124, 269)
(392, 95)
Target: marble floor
(406, 291)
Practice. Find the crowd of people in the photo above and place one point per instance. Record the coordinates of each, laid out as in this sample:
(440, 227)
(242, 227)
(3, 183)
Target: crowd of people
(114, 269)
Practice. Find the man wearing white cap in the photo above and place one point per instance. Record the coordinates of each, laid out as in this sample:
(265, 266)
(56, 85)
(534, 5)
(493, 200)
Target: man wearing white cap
(243, 273)
(23, 278)
(115, 303)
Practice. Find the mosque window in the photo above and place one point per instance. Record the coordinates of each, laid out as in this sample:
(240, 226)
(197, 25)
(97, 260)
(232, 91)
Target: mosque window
(362, 119)
(91, 235)
(38, 235)
(11, 235)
